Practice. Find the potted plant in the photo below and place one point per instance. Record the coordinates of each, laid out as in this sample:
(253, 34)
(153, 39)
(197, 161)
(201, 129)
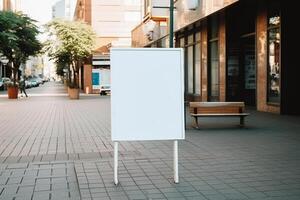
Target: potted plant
(69, 44)
(12, 89)
(18, 41)
(73, 91)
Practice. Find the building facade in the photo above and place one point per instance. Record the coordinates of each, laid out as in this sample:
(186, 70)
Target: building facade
(12, 5)
(64, 9)
(112, 22)
(236, 51)
(154, 24)
(34, 67)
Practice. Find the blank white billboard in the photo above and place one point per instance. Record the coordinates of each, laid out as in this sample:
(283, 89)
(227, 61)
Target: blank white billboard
(147, 94)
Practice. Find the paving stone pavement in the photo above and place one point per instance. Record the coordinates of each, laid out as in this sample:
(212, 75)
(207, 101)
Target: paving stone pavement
(55, 148)
(39, 181)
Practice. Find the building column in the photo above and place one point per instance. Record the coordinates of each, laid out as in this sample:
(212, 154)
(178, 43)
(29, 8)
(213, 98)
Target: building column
(222, 56)
(261, 57)
(87, 71)
(204, 61)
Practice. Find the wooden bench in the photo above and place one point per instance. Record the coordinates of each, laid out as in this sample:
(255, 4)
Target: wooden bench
(218, 109)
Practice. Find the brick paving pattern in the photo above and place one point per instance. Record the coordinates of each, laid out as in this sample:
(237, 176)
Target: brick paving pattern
(38, 181)
(55, 148)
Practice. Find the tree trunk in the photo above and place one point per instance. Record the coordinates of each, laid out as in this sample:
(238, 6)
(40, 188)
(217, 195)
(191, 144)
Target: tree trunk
(15, 76)
(74, 75)
(69, 75)
(14, 68)
(77, 73)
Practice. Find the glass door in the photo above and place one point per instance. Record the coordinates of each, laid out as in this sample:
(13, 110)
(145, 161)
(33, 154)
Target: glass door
(248, 62)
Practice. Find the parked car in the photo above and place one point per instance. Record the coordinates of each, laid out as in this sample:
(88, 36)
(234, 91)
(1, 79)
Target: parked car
(104, 89)
(39, 80)
(28, 84)
(104, 82)
(33, 82)
(3, 82)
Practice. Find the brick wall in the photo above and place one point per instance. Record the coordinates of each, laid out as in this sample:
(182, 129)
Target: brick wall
(87, 73)
(261, 51)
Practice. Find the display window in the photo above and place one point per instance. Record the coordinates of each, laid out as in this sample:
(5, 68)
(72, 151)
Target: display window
(274, 89)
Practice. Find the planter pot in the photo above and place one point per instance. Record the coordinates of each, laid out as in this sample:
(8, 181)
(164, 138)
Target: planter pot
(73, 93)
(12, 92)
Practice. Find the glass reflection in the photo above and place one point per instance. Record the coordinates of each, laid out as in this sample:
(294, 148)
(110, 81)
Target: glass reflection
(274, 60)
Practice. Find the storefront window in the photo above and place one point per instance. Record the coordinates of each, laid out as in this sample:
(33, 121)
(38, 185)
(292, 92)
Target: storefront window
(214, 71)
(214, 27)
(191, 44)
(197, 65)
(182, 45)
(181, 42)
(274, 57)
(190, 52)
(213, 45)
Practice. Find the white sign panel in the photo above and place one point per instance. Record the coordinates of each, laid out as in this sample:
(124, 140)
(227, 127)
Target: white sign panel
(147, 94)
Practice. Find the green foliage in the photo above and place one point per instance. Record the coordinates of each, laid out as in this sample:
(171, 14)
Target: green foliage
(70, 42)
(18, 39)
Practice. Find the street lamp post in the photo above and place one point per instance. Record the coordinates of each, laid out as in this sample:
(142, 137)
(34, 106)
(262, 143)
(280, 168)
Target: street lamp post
(171, 23)
(175, 144)
(4, 62)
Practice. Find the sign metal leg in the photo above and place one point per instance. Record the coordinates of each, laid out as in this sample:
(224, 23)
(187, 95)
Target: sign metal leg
(175, 162)
(116, 163)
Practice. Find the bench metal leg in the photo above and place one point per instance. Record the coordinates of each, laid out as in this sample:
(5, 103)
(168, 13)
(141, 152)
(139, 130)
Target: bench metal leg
(242, 120)
(196, 122)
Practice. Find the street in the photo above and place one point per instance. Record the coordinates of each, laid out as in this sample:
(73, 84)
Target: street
(55, 148)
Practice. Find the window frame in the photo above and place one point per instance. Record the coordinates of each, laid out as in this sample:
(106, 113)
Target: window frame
(211, 40)
(185, 35)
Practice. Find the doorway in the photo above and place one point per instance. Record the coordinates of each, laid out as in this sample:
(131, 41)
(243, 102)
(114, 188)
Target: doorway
(248, 69)
(241, 53)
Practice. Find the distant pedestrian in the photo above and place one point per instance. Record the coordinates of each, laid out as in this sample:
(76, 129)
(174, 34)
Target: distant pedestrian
(22, 86)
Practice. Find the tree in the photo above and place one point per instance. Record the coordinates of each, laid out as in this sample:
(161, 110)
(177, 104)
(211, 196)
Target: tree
(60, 69)
(18, 39)
(70, 42)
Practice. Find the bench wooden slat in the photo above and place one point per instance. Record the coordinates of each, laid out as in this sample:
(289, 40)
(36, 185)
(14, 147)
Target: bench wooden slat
(216, 104)
(218, 109)
(222, 109)
(220, 114)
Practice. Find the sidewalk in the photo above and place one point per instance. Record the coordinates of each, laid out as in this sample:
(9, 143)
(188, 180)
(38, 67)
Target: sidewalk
(55, 148)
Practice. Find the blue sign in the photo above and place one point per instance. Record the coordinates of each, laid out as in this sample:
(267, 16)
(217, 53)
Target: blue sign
(96, 78)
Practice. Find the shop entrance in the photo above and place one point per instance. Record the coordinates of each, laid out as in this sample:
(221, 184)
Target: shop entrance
(241, 54)
(241, 70)
(248, 70)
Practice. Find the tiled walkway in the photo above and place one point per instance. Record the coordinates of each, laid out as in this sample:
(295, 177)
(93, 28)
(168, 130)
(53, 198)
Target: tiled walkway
(55, 148)
(39, 181)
